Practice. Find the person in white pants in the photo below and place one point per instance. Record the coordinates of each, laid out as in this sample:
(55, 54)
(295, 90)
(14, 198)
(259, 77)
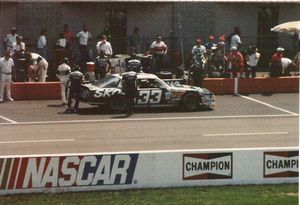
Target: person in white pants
(6, 71)
(42, 67)
(63, 73)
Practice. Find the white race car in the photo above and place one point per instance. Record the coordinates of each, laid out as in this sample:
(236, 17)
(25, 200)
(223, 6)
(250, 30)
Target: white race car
(151, 92)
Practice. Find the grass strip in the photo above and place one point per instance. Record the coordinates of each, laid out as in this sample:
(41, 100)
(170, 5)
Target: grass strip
(282, 194)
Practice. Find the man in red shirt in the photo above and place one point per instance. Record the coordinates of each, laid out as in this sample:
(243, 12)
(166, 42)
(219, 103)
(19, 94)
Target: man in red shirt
(68, 35)
(235, 62)
(275, 63)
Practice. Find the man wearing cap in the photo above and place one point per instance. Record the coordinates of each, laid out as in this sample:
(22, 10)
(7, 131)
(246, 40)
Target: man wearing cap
(104, 45)
(63, 72)
(275, 63)
(235, 62)
(198, 62)
(252, 58)
(10, 39)
(159, 49)
(210, 44)
(7, 69)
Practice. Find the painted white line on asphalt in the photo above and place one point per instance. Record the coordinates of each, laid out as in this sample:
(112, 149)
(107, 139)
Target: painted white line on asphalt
(35, 141)
(9, 120)
(266, 104)
(246, 134)
(149, 119)
(151, 151)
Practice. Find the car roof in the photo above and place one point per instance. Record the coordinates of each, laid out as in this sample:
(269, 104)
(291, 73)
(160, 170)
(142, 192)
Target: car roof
(139, 75)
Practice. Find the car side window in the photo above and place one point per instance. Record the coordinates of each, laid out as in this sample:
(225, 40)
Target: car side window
(148, 84)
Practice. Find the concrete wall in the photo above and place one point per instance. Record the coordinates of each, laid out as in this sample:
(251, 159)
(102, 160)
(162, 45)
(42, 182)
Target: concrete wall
(149, 169)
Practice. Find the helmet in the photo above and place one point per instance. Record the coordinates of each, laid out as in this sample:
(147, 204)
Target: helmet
(66, 60)
(198, 40)
(233, 48)
(280, 49)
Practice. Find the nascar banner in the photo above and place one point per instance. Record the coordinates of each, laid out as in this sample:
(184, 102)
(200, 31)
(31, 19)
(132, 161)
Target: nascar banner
(107, 171)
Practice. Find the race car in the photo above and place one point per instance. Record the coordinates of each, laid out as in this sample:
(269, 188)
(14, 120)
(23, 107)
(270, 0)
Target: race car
(151, 92)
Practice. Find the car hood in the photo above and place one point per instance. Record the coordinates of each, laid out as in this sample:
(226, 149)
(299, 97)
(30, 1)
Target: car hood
(184, 88)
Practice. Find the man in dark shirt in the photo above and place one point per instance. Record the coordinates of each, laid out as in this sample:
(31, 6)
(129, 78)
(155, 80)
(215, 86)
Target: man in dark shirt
(76, 79)
(130, 89)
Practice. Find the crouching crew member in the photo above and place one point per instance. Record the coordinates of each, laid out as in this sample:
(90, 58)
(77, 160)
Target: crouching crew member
(63, 73)
(102, 65)
(130, 89)
(76, 79)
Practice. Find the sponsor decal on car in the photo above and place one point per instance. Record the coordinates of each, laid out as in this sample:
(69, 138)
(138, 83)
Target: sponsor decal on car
(67, 171)
(207, 166)
(281, 164)
(106, 92)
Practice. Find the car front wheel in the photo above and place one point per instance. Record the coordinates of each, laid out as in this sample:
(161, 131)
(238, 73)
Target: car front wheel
(190, 101)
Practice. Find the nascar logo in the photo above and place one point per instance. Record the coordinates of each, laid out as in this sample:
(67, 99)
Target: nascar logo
(41, 172)
(281, 164)
(207, 166)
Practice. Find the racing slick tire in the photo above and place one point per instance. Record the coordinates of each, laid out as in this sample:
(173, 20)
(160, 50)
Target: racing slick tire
(117, 103)
(190, 101)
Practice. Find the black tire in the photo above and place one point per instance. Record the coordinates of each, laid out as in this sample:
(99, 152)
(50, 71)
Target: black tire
(117, 103)
(190, 101)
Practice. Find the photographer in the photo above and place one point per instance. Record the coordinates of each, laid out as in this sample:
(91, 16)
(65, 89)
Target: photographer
(252, 58)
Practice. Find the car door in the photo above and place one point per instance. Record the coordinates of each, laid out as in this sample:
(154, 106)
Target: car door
(150, 92)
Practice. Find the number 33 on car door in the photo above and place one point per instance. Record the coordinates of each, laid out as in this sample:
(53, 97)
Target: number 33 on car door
(149, 97)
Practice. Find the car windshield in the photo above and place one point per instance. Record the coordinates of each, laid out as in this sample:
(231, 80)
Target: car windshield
(109, 81)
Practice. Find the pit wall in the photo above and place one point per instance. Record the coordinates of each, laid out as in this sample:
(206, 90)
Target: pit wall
(219, 86)
(138, 170)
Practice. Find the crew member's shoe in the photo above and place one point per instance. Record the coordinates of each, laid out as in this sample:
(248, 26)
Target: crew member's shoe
(10, 99)
(68, 111)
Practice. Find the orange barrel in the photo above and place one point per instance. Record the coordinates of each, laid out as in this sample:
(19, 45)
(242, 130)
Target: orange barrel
(90, 66)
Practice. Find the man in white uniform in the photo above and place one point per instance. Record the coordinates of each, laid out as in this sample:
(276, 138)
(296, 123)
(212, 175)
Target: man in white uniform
(104, 45)
(287, 64)
(252, 59)
(236, 39)
(42, 67)
(83, 38)
(6, 71)
(10, 39)
(63, 73)
(42, 44)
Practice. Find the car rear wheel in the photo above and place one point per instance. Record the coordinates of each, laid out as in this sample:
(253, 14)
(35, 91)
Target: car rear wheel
(117, 103)
(190, 101)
